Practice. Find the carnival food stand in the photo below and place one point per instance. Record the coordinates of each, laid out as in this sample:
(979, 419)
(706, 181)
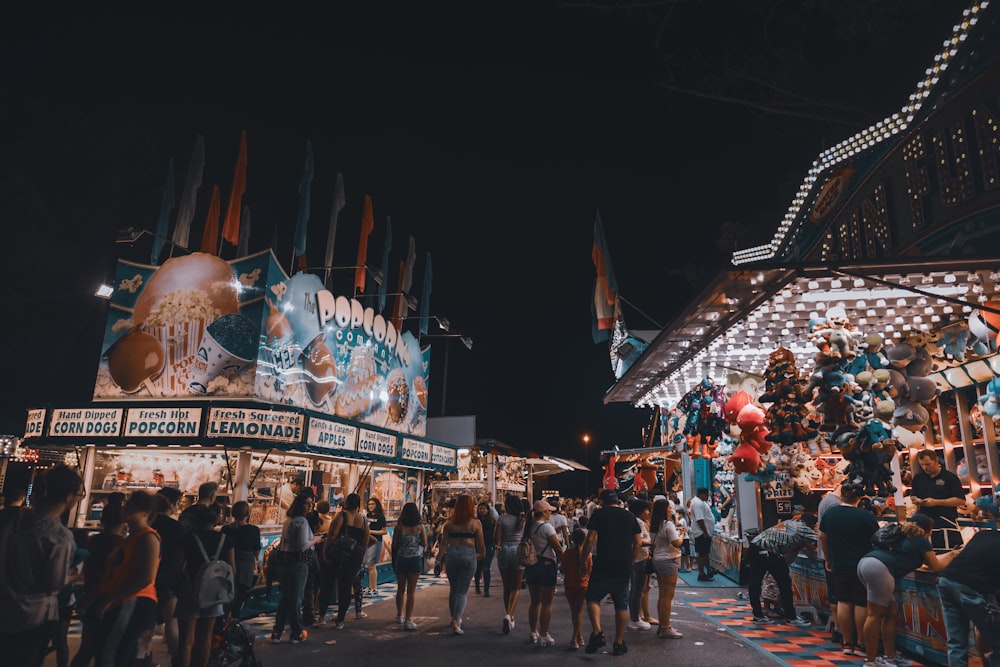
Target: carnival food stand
(863, 332)
(233, 372)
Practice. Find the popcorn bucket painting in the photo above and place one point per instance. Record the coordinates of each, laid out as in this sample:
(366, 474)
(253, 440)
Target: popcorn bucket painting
(227, 347)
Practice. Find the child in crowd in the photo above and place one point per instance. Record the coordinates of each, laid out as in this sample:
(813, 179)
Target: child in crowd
(575, 582)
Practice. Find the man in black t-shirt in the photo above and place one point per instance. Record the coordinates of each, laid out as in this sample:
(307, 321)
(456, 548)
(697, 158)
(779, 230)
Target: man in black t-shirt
(970, 580)
(168, 573)
(938, 493)
(616, 533)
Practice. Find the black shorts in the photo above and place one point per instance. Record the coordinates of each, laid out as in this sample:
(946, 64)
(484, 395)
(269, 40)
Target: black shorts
(703, 545)
(847, 587)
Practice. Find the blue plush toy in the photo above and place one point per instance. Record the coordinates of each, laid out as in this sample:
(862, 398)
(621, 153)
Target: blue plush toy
(954, 342)
(763, 475)
(991, 401)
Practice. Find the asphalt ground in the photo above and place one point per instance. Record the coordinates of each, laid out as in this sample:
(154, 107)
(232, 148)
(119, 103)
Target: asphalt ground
(379, 640)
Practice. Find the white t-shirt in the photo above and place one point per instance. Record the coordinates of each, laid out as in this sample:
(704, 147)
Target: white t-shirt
(701, 510)
(540, 533)
(644, 538)
(558, 522)
(663, 549)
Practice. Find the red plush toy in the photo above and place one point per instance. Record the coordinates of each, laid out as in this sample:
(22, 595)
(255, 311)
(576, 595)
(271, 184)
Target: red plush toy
(609, 481)
(752, 431)
(738, 401)
(745, 458)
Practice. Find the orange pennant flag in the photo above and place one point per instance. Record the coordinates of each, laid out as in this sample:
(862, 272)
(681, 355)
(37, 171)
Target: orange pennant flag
(210, 237)
(367, 225)
(231, 228)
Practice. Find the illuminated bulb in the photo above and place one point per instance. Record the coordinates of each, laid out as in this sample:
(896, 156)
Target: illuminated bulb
(860, 304)
(813, 284)
(949, 277)
(859, 282)
(901, 302)
(835, 284)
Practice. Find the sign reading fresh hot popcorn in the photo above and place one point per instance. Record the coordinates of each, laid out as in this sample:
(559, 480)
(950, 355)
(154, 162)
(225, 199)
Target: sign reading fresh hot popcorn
(251, 423)
(104, 422)
(163, 422)
(376, 442)
(416, 451)
(332, 435)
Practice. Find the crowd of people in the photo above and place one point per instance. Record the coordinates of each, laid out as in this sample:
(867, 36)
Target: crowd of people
(143, 570)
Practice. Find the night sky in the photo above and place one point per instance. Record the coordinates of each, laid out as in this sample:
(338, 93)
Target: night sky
(490, 132)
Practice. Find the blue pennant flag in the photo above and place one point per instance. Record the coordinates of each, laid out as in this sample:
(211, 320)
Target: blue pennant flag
(166, 207)
(385, 264)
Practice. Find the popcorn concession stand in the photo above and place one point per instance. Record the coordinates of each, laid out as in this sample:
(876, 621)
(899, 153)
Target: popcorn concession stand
(233, 372)
(887, 264)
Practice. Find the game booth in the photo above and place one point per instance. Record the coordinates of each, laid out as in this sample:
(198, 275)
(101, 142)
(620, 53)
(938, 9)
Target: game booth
(234, 372)
(863, 332)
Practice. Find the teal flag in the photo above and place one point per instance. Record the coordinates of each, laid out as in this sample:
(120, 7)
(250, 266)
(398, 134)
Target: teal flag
(166, 207)
(425, 299)
(385, 264)
(305, 193)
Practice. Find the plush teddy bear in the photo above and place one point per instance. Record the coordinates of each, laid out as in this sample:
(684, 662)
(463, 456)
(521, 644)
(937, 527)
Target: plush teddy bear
(922, 390)
(910, 415)
(752, 430)
(833, 403)
(900, 355)
(922, 363)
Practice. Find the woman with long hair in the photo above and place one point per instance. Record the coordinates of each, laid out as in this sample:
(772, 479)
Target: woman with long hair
(541, 577)
(126, 598)
(484, 512)
(638, 603)
(462, 544)
(666, 544)
(409, 541)
(880, 569)
(510, 527)
(377, 528)
(347, 563)
(296, 539)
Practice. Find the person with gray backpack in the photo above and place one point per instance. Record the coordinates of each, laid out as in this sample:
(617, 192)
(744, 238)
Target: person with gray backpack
(207, 585)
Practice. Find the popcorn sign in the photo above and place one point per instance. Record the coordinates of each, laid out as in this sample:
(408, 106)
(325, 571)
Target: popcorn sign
(378, 443)
(414, 450)
(163, 421)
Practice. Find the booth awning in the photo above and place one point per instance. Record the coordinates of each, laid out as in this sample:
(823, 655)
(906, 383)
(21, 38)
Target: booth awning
(552, 465)
(743, 315)
(491, 446)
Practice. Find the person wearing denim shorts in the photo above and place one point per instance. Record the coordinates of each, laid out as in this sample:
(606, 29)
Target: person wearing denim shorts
(615, 532)
(510, 527)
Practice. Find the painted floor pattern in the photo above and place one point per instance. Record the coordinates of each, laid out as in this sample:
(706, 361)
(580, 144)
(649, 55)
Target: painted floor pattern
(809, 646)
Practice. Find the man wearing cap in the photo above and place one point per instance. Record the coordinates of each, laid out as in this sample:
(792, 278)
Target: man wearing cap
(616, 534)
(558, 521)
(702, 528)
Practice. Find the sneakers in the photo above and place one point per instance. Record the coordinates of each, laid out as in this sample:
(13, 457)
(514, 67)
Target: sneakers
(639, 625)
(512, 624)
(506, 625)
(798, 621)
(669, 633)
(872, 663)
(898, 661)
(619, 649)
(275, 637)
(409, 625)
(702, 577)
(761, 620)
(301, 638)
(320, 622)
(856, 651)
(339, 626)
(596, 642)
(533, 638)
(400, 619)
(547, 640)
(456, 627)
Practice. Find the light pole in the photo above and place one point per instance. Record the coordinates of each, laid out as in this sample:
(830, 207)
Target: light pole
(586, 462)
(467, 342)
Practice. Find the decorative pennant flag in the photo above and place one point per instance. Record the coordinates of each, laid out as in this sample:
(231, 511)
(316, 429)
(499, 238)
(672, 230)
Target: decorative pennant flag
(367, 225)
(425, 298)
(339, 202)
(382, 289)
(166, 206)
(411, 260)
(231, 227)
(399, 307)
(189, 197)
(605, 285)
(244, 246)
(305, 197)
(210, 237)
